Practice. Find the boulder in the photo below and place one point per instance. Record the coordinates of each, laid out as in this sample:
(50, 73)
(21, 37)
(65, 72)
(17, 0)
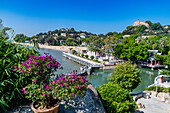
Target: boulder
(92, 103)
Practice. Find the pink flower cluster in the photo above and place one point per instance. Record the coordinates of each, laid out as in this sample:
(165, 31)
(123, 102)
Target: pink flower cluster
(72, 81)
(36, 63)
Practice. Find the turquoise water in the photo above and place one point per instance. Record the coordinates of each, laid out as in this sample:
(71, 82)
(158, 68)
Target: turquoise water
(99, 77)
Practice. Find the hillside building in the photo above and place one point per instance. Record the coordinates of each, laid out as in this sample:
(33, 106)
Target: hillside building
(139, 23)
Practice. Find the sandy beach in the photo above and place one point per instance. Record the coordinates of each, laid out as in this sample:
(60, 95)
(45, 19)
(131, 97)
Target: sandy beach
(59, 48)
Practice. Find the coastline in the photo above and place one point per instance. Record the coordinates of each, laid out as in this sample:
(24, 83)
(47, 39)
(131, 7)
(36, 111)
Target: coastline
(59, 48)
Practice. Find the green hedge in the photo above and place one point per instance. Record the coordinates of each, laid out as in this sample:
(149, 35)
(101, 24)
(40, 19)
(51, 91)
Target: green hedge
(105, 59)
(116, 99)
(159, 89)
(11, 82)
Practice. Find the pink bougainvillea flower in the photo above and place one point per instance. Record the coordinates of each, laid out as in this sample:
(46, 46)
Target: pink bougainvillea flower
(22, 71)
(34, 81)
(44, 94)
(35, 72)
(23, 64)
(13, 69)
(52, 88)
(51, 82)
(14, 66)
(47, 87)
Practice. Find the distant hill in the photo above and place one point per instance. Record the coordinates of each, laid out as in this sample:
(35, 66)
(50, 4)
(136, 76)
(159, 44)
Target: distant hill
(147, 28)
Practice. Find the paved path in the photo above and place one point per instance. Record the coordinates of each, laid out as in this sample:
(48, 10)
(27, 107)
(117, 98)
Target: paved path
(154, 105)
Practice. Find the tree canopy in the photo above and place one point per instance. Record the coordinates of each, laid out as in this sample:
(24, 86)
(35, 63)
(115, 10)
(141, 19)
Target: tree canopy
(126, 75)
(129, 49)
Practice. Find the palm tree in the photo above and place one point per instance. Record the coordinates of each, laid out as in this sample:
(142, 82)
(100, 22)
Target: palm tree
(163, 42)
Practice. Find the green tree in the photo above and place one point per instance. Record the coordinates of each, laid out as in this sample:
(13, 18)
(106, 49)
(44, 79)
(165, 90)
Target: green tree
(164, 59)
(126, 75)
(71, 41)
(50, 41)
(149, 22)
(116, 99)
(4, 34)
(141, 28)
(20, 38)
(129, 49)
(96, 44)
(156, 26)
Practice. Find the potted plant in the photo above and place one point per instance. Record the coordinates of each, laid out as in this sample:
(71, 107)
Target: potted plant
(47, 97)
(44, 97)
(38, 67)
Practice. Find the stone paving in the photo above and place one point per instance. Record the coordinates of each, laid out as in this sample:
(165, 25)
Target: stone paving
(154, 105)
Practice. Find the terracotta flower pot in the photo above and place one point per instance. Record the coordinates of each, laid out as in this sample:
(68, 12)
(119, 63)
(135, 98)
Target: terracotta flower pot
(51, 110)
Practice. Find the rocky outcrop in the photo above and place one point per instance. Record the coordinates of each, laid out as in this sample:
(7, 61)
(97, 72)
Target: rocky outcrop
(92, 103)
(139, 23)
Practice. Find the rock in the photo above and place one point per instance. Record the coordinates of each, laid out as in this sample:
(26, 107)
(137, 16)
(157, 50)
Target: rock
(93, 89)
(92, 104)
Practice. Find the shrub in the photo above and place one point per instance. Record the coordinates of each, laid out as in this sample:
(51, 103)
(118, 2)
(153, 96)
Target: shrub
(91, 57)
(159, 89)
(116, 99)
(70, 49)
(165, 72)
(73, 51)
(126, 75)
(78, 54)
(84, 51)
(96, 58)
(11, 82)
(86, 56)
(82, 55)
(105, 59)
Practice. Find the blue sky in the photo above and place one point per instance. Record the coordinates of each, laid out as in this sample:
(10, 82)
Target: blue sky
(97, 16)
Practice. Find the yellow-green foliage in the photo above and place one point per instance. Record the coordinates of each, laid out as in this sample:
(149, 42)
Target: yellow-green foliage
(116, 99)
(126, 75)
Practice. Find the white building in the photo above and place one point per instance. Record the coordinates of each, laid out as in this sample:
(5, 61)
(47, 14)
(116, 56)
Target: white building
(84, 43)
(82, 35)
(63, 34)
(145, 37)
(126, 36)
